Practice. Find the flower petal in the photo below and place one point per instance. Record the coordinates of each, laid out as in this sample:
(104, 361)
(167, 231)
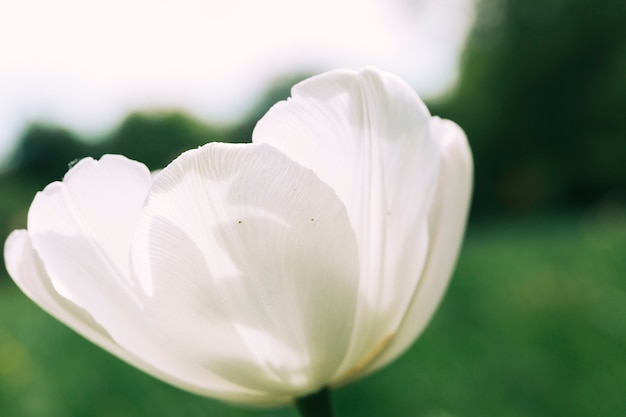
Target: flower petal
(77, 228)
(82, 227)
(26, 269)
(446, 220)
(366, 134)
(249, 263)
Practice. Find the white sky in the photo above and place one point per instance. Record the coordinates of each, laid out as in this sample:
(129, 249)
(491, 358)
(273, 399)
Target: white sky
(85, 64)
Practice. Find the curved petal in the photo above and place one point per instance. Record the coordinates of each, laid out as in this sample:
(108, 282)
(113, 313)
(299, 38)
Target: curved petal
(249, 263)
(27, 271)
(446, 219)
(78, 229)
(366, 134)
(82, 227)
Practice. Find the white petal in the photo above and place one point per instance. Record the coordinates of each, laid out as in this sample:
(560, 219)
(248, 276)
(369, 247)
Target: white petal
(108, 195)
(78, 229)
(82, 227)
(249, 263)
(26, 269)
(446, 219)
(366, 134)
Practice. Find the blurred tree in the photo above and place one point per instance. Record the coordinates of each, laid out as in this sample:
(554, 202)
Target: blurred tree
(44, 153)
(156, 138)
(542, 97)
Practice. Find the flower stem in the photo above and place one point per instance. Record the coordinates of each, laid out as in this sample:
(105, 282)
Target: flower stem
(316, 405)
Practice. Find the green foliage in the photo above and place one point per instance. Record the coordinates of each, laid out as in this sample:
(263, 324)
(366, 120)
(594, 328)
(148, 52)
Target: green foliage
(44, 153)
(542, 98)
(533, 326)
(157, 138)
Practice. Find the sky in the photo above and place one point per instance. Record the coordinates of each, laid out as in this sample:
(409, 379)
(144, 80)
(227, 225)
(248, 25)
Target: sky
(85, 64)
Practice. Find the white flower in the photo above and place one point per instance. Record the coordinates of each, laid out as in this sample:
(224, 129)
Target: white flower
(260, 273)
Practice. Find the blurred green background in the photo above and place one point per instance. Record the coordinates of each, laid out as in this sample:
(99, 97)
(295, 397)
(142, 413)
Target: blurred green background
(534, 323)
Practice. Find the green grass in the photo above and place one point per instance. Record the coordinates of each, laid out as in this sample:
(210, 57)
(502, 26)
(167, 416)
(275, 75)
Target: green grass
(534, 324)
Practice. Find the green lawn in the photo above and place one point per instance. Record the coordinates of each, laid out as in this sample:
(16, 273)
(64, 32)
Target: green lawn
(534, 324)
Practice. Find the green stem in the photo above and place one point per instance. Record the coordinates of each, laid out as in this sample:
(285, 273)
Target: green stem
(316, 405)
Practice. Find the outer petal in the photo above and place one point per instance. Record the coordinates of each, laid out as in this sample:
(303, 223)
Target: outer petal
(366, 134)
(249, 263)
(26, 269)
(82, 227)
(446, 220)
(80, 230)
(28, 272)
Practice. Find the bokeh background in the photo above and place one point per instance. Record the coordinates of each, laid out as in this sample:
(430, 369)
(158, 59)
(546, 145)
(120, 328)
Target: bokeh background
(534, 323)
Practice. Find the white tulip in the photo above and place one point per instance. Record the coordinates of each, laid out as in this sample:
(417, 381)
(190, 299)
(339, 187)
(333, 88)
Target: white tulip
(260, 273)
